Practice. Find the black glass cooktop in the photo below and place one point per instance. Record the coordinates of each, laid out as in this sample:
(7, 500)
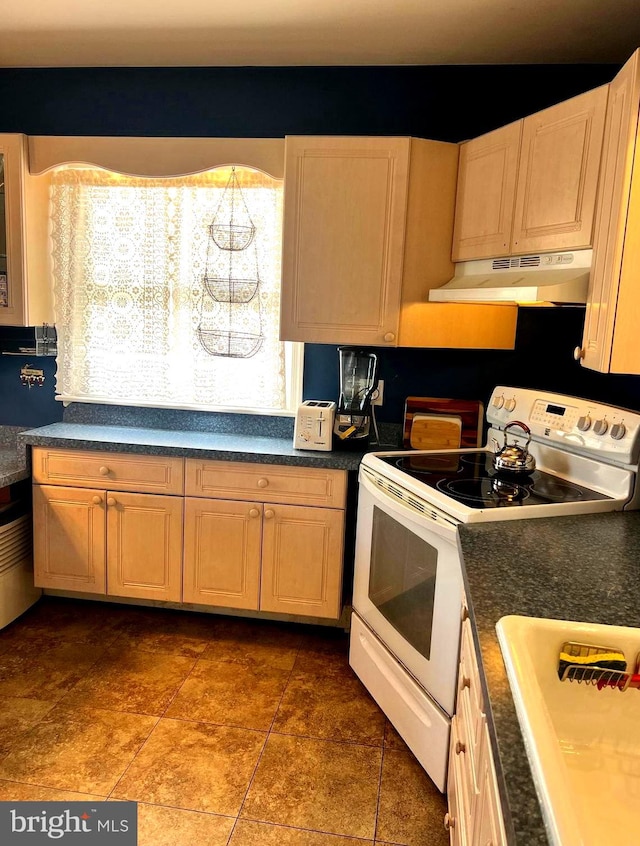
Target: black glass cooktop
(471, 479)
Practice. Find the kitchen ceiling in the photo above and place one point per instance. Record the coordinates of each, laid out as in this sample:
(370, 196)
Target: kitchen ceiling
(88, 33)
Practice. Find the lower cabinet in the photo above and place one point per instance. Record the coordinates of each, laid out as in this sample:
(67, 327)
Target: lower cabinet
(267, 557)
(96, 541)
(474, 817)
(246, 536)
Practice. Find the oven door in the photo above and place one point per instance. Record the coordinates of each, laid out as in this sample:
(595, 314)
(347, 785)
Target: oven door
(408, 586)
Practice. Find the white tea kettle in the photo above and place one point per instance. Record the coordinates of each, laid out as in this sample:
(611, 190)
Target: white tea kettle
(513, 458)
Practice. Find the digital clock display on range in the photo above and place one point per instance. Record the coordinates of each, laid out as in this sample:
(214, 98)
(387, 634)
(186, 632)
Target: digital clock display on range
(556, 409)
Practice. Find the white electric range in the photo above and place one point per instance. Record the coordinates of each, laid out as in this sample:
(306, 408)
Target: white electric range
(408, 591)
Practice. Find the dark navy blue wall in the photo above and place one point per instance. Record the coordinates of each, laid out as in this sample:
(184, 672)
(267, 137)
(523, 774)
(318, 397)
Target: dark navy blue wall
(443, 103)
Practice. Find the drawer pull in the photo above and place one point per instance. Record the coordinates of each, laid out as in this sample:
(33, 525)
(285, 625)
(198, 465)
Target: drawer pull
(460, 747)
(465, 613)
(104, 471)
(449, 822)
(253, 512)
(389, 336)
(262, 483)
(466, 682)
(111, 501)
(269, 514)
(96, 500)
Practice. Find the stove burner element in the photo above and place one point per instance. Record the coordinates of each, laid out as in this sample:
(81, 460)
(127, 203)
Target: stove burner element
(491, 492)
(555, 489)
(426, 465)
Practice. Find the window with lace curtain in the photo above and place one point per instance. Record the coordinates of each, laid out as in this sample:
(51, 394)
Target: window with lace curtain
(135, 317)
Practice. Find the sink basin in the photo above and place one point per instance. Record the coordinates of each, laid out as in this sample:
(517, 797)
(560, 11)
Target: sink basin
(583, 743)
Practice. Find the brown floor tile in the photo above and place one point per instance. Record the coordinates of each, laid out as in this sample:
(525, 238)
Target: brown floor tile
(332, 707)
(254, 642)
(158, 826)
(324, 652)
(13, 791)
(18, 715)
(316, 784)
(132, 680)
(231, 694)
(46, 675)
(52, 622)
(392, 739)
(86, 749)
(411, 808)
(262, 834)
(195, 766)
(161, 630)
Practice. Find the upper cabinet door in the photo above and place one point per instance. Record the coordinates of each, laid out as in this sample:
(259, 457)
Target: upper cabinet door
(610, 341)
(345, 202)
(486, 194)
(12, 152)
(558, 175)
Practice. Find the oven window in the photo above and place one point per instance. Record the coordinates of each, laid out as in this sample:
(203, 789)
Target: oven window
(402, 580)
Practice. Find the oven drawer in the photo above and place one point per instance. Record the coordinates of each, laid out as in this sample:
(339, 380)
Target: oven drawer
(112, 471)
(419, 721)
(266, 483)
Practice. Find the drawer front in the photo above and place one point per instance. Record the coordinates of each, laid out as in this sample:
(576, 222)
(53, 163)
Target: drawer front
(266, 483)
(109, 470)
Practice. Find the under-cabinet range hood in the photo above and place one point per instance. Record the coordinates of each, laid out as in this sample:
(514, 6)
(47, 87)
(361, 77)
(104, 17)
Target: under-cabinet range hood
(541, 279)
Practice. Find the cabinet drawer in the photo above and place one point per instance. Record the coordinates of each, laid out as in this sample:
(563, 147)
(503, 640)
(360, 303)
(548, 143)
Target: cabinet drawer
(469, 676)
(109, 470)
(266, 482)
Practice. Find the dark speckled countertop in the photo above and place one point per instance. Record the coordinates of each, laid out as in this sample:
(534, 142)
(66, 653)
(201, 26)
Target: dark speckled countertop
(14, 466)
(583, 568)
(224, 446)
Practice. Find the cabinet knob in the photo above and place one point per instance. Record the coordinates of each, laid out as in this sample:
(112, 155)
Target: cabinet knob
(578, 353)
(253, 512)
(262, 483)
(111, 501)
(269, 514)
(460, 747)
(466, 682)
(465, 613)
(449, 821)
(96, 500)
(104, 471)
(389, 336)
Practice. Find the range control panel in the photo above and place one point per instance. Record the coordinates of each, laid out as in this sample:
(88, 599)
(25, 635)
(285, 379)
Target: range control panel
(602, 430)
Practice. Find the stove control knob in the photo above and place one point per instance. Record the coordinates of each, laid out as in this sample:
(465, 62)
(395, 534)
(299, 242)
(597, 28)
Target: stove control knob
(510, 404)
(584, 423)
(600, 427)
(618, 431)
(498, 402)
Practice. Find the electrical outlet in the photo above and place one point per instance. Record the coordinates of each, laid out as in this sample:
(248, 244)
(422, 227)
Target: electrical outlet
(377, 397)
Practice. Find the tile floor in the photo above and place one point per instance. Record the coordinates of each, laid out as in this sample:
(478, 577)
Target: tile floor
(225, 730)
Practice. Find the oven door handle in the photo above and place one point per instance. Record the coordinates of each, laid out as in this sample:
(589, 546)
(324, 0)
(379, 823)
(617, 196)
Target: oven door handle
(403, 508)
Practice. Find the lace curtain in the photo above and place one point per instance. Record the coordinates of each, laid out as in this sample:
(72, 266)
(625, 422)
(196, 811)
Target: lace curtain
(129, 259)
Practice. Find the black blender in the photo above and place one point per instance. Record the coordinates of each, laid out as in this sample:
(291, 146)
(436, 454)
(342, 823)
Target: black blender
(358, 381)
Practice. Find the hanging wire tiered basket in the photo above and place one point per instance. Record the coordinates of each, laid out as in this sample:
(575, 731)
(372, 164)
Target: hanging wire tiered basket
(229, 344)
(232, 231)
(232, 227)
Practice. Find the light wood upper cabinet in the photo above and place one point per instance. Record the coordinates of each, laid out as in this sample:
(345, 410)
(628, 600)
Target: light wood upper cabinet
(69, 538)
(25, 290)
(144, 546)
(222, 549)
(302, 561)
(367, 233)
(558, 175)
(610, 340)
(486, 194)
(531, 186)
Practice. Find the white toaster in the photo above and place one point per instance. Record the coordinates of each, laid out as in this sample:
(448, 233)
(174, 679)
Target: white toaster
(314, 425)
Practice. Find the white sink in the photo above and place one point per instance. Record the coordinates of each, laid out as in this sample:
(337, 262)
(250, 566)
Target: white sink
(583, 743)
